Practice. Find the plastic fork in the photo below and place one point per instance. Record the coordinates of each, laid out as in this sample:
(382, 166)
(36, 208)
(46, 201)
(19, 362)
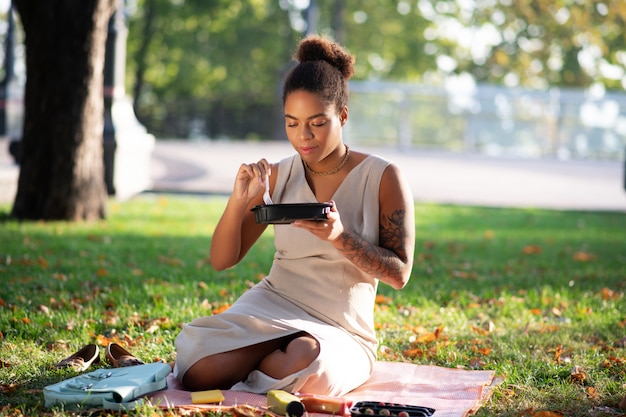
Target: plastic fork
(266, 195)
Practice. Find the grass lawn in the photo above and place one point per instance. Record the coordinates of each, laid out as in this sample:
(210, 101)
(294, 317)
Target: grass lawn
(536, 295)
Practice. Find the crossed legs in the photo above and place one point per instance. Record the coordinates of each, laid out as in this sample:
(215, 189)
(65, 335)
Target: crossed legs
(277, 358)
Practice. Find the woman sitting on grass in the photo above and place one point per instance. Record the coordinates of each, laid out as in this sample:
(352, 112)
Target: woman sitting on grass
(308, 325)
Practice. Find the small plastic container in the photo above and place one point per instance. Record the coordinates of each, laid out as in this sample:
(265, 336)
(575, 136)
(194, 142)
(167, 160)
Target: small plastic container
(383, 409)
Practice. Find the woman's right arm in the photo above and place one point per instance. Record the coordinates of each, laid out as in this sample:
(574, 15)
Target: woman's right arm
(237, 230)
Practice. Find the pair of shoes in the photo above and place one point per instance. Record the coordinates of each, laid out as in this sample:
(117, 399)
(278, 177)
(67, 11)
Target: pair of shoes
(119, 357)
(82, 359)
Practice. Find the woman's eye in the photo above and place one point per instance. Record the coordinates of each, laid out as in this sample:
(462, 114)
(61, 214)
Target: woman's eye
(318, 123)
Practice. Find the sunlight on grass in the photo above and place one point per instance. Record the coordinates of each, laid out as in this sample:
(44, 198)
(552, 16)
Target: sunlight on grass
(531, 294)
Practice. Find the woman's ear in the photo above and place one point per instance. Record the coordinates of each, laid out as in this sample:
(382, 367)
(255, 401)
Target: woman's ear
(343, 115)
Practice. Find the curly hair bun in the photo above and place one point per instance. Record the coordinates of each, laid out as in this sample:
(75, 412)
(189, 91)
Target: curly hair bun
(320, 48)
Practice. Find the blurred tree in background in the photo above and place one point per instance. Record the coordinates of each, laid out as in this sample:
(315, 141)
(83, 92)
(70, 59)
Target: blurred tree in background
(213, 62)
(214, 67)
(533, 43)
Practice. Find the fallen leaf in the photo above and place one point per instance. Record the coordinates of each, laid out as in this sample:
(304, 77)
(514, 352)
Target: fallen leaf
(7, 388)
(58, 345)
(547, 414)
(430, 336)
(483, 351)
(557, 353)
(60, 277)
(381, 299)
(583, 257)
(111, 318)
(42, 262)
(151, 326)
(532, 249)
(621, 343)
(221, 309)
(463, 274)
(105, 341)
(480, 330)
(477, 363)
(70, 324)
(426, 338)
(613, 361)
(578, 375)
(608, 294)
(592, 393)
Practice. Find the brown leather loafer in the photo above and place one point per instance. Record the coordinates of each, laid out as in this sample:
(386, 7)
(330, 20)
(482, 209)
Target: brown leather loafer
(82, 359)
(119, 357)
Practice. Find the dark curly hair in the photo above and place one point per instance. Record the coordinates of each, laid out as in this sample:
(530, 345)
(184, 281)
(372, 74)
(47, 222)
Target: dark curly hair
(323, 68)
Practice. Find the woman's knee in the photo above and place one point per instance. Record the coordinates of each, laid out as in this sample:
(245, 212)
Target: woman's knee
(299, 353)
(302, 351)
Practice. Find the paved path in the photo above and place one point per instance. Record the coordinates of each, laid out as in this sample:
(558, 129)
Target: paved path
(438, 177)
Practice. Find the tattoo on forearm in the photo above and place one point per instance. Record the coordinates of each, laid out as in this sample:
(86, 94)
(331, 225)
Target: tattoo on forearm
(382, 259)
(392, 232)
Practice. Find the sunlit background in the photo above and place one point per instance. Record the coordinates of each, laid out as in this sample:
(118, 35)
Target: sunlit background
(539, 78)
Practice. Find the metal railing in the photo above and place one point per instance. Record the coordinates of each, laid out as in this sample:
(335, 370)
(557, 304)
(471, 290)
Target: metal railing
(493, 120)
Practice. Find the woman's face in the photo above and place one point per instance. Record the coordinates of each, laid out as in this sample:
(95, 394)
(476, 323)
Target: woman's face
(313, 127)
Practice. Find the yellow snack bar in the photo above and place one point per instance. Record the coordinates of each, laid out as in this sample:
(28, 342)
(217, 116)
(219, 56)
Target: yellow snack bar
(284, 403)
(206, 397)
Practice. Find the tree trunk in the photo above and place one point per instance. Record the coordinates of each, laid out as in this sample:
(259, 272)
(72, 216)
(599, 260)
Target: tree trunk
(61, 168)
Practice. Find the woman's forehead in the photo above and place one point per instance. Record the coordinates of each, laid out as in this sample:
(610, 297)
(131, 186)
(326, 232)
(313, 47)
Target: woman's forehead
(303, 104)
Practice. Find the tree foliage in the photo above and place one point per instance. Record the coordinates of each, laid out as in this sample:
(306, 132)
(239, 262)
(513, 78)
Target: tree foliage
(218, 60)
(536, 43)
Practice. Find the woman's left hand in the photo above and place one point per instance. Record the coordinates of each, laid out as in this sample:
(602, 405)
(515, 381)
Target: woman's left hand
(329, 229)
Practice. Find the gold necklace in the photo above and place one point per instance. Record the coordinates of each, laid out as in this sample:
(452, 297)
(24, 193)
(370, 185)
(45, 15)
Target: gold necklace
(332, 171)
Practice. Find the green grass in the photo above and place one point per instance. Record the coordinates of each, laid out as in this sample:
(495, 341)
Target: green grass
(531, 294)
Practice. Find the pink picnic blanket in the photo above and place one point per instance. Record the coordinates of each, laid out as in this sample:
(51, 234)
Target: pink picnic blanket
(451, 392)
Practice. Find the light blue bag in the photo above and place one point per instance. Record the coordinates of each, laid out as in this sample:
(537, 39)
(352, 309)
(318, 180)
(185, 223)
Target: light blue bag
(113, 389)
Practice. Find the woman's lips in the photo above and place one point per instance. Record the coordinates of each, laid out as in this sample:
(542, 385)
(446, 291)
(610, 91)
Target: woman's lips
(307, 149)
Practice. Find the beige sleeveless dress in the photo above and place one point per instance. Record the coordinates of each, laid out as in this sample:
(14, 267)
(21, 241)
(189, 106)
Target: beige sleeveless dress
(311, 287)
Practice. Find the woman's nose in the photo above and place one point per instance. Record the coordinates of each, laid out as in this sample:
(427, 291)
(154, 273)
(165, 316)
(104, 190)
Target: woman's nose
(305, 132)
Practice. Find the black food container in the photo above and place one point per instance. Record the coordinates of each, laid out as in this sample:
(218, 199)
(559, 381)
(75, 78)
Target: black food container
(288, 213)
(383, 409)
